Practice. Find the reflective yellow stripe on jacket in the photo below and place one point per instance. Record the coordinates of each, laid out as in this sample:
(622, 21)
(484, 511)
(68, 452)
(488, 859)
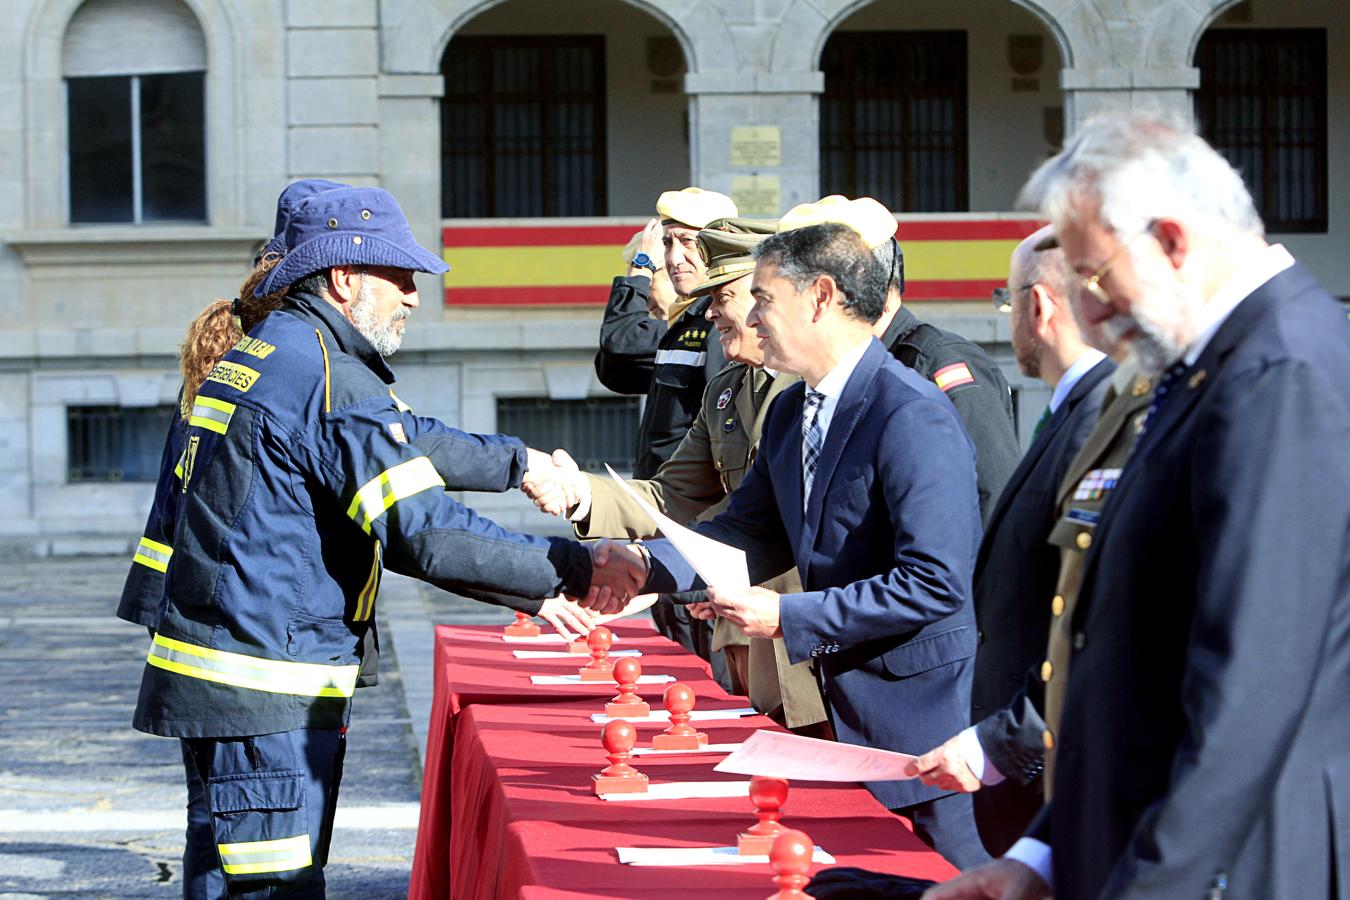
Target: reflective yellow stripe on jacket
(254, 857)
(389, 487)
(253, 672)
(365, 601)
(153, 554)
(211, 414)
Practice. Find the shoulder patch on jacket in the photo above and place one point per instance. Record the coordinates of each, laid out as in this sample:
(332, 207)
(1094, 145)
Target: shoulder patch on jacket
(953, 376)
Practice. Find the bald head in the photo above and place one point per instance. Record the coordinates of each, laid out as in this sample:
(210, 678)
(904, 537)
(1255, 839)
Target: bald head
(1045, 334)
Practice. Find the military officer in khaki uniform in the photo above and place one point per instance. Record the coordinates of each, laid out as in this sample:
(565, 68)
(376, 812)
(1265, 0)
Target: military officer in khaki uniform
(708, 464)
(1088, 482)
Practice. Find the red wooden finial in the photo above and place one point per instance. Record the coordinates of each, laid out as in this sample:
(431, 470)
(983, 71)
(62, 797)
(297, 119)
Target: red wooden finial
(790, 857)
(768, 795)
(600, 667)
(523, 626)
(627, 704)
(679, 701)
(618, 777)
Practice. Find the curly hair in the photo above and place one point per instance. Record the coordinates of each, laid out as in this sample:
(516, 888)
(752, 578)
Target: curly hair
(220, 326)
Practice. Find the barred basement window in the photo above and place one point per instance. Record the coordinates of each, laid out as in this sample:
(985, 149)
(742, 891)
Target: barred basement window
(523, 127)
(595, 431)
(116, 443)
(893, 119)
(1262, 103)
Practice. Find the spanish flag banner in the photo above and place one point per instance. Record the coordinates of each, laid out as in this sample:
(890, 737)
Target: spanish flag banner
(946, 258)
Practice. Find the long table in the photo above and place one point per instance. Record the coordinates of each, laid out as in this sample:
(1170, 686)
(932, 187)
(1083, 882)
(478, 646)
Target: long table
(508, 811)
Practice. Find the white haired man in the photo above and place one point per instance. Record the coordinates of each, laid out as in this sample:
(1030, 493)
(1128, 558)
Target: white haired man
(1185, 766)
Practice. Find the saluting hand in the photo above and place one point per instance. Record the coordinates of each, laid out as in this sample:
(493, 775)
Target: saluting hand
(755, 610)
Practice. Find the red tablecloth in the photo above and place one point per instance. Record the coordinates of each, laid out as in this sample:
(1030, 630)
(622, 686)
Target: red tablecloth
(473, 665)
(524, 815)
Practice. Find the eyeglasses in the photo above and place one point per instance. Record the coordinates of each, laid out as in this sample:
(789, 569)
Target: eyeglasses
(1002, 297)
(1093, 283)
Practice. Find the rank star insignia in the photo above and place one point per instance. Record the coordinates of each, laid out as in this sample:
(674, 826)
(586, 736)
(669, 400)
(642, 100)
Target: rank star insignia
(723, 399)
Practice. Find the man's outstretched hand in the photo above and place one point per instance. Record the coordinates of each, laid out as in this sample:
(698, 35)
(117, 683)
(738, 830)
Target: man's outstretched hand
(617, 574)
(554, 482)
(1002, 879)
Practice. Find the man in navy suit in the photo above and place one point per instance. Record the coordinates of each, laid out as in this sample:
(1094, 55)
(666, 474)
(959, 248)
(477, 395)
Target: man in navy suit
(1016, 568)
(1204, 746)
(882, 526)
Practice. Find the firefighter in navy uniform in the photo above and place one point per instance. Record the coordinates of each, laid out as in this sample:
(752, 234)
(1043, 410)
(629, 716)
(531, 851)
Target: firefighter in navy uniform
(299, 485)
(965, 373)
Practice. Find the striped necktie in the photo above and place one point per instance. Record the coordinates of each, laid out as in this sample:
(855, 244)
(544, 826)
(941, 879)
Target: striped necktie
(1040, 423)
(812, 439)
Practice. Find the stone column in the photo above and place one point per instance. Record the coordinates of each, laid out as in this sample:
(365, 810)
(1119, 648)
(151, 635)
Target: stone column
(789, 101)
(410, 161)
(1088, 92)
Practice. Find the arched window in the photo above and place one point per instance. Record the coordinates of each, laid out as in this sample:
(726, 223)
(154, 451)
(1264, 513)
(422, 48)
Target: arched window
(135, 103)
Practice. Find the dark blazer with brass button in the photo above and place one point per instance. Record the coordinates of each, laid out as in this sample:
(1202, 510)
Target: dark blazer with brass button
(694, 484)
(1014, 576)
(885, 550)
(1204, 748)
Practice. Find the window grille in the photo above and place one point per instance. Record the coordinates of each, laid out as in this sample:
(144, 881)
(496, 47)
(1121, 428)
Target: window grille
(893, 119)
(116, 443)
(523, 127)
(1262, 103)
(595, 431)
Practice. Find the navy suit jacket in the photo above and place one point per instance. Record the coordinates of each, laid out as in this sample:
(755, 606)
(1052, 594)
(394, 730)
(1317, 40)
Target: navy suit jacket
(885, 550)
(1015, 574)
(1205, 742)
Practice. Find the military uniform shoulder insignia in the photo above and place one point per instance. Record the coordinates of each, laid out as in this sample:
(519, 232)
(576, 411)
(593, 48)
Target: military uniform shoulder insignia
(729, 424)
(723, 399)
(953, 376)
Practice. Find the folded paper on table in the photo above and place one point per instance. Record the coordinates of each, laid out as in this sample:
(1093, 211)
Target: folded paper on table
(576, 679)
(706, 748)
(719, 565)
(798, 758)
(698, 715)
(563, 654)
(700, 856)
(550, 638)
(686, 790)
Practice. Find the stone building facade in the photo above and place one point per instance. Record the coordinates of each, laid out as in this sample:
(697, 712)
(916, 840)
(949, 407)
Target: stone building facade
(237, 97)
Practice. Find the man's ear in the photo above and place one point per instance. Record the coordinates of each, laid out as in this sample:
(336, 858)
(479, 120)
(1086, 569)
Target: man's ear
(344, 283)
(1041, 309)
(826, 293)
(1171, 236)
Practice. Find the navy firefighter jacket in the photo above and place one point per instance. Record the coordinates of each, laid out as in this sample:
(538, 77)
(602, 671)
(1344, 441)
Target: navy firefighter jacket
(299, 483)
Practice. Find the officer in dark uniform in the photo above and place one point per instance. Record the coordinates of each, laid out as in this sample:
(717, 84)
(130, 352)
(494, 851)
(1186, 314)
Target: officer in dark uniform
(637, 315)
(965, 373)
(300, 483)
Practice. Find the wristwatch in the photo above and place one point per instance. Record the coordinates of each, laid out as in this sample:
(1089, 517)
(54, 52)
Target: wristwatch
(643, 261)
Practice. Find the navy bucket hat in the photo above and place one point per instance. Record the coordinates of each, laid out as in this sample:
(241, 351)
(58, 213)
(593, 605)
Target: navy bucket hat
(348, 227)
(295, 193)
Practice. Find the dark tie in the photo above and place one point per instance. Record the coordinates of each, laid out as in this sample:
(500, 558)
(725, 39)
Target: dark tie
(811, 440)
(1165, 385)
(760, 385)
(1040, 423)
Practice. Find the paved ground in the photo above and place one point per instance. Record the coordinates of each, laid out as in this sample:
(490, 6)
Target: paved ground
(91, 808)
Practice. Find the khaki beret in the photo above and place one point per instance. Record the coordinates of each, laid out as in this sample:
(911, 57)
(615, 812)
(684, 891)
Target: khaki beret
(866, 216)
(726, 246)
(693, 207)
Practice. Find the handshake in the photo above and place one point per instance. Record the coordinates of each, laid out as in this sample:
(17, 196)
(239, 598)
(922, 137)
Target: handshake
(554, 483)
(558, 487)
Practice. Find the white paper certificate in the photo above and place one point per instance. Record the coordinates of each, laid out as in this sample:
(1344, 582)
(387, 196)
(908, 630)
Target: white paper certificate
(719, 565)
(799, 758)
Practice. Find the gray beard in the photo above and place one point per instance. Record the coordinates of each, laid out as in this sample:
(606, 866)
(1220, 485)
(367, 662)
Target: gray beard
(385, 335)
